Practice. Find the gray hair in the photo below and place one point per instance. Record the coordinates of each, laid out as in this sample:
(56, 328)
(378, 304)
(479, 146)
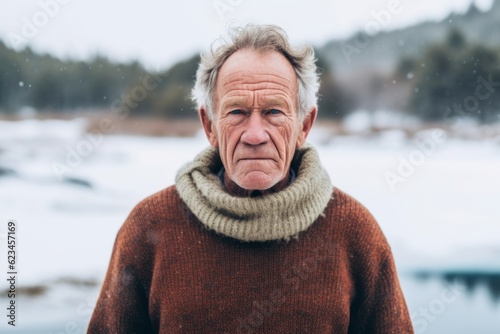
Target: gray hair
(260, 38)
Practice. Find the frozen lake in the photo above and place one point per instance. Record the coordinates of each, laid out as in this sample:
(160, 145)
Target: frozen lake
(436, 199)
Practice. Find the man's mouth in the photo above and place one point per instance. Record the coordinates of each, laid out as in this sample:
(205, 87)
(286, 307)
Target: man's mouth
(256, 158)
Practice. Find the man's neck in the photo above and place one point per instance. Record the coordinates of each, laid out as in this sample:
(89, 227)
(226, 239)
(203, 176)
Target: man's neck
(236, 190)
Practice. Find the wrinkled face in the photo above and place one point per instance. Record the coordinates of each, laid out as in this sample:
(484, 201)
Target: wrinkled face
(256, 125)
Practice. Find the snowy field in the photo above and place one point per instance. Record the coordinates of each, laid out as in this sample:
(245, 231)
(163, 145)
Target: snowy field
(436, 198)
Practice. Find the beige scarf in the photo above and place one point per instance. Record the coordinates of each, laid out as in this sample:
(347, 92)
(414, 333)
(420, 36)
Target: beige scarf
(279, 215)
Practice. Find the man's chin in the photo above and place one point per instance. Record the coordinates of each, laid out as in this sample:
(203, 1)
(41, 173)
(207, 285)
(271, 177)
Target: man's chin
(257, 181)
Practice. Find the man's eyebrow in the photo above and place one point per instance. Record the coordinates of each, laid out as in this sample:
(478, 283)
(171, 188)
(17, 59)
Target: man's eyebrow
(275, 101)
(268, 101)
(234, 102)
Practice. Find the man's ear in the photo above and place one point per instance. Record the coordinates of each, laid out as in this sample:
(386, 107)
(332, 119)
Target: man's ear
(208, 126)
(306, 126)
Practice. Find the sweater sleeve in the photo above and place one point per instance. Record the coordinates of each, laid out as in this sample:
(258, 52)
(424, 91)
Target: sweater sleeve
(122, 306)
(378, 304)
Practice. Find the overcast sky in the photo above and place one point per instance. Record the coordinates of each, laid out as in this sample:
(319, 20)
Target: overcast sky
(158, 33)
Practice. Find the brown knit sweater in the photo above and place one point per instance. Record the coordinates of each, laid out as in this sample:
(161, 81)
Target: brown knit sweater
(169, 273)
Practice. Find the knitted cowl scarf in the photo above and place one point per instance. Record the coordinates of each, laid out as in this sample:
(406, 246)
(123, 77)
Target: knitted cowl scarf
(275, 216)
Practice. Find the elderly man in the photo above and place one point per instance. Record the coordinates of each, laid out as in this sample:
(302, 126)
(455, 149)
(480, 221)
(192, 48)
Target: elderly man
(253, 238)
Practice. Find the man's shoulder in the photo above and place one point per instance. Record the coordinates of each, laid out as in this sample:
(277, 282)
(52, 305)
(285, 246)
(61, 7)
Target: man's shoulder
(154, 210)
(160, 200)
(353, 221)
(348, 206)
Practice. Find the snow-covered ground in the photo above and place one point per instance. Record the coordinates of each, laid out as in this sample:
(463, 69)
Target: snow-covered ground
(436, 198)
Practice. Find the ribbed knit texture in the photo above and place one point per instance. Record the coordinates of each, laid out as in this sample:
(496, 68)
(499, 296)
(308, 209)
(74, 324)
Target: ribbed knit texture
(280, 215)
(170, 274)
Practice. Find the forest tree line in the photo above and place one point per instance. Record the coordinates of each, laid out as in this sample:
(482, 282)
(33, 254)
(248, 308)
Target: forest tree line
(455, 77)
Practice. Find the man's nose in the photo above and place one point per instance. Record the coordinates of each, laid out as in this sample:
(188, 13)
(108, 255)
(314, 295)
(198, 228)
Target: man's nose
(255, 134)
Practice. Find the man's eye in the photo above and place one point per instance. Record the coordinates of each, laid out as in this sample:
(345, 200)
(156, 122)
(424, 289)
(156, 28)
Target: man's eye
(274, 111)
(236, 112)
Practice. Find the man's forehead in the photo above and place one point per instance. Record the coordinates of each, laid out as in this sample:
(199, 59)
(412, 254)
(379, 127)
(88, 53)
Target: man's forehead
(247, 64)
(257, 82)
(245, 71)
(267, 89)
(257, 79)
